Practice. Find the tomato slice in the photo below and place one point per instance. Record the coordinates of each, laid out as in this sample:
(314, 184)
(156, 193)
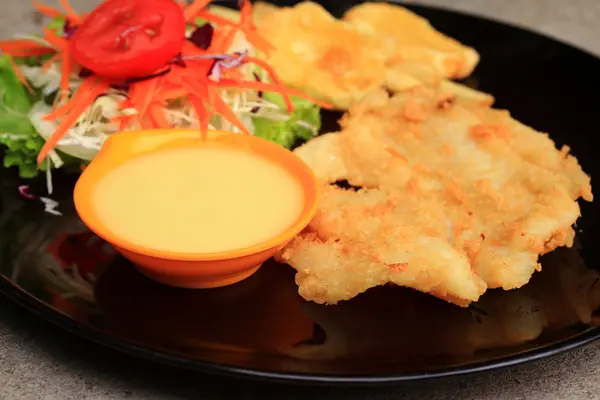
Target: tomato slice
(129, 38)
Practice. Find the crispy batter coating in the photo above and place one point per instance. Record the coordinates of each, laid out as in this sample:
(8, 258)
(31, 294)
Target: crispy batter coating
(456, 198)
(411, 37)
(341, 61)
(324, 57)
(564, 295)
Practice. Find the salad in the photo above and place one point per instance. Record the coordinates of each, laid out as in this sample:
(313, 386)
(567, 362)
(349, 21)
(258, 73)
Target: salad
(133, 64)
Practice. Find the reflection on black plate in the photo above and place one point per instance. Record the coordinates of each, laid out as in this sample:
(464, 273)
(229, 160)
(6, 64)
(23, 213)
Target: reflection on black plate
(262, 328)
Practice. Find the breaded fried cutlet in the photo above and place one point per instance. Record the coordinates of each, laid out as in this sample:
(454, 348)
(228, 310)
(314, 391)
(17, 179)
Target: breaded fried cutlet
(411, 37)
(563, 296)
(322, 56)
(341, 61)
(455, 198)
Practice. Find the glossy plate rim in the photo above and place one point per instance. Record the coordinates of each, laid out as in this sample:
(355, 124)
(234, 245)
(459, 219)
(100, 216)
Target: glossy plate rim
(30, 303)
(42, 310)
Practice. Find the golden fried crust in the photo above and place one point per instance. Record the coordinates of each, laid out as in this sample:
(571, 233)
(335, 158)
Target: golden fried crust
(566, 294)
(411, 37)
(324, 57)
(261, 10)
(342, 61)
(457, 198)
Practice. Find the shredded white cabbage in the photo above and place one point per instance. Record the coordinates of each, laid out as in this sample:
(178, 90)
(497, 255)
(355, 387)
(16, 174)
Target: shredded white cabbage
(48, 80)
(86, 137)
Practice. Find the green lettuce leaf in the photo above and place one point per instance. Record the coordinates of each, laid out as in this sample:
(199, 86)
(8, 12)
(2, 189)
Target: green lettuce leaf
(17, 133)
(57, 25)
(18, 136)
(303, 125)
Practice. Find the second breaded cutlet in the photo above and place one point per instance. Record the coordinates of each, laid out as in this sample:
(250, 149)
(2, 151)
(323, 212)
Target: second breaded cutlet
(341, 61)
(456, 198)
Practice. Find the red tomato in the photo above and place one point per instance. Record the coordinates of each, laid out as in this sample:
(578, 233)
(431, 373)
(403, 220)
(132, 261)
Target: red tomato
(129, 38)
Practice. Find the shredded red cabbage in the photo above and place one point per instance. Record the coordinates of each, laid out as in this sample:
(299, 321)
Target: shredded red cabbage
(24, 192)
(228, 62)
(255, 109)
(178, 60)
(202, 36)
(85, 73)
(220, 61)
(68, 29)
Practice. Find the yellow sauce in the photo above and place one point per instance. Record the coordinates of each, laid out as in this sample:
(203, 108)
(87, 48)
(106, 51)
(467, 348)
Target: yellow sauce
(198, 200)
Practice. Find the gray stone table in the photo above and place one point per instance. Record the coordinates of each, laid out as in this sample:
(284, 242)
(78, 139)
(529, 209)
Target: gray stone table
(39, 361)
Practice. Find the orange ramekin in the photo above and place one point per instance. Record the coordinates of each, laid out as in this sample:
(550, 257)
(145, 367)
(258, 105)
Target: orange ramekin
(191, 270)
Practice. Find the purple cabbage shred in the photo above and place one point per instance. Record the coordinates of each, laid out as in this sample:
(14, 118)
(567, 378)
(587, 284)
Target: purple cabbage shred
(69, 29)
(255, 109)
(202, 36)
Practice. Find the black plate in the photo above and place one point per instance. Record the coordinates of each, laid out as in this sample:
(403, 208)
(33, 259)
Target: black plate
(260, 328)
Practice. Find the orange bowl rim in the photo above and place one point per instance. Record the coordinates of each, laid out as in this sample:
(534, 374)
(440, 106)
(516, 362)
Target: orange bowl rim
(279, 240)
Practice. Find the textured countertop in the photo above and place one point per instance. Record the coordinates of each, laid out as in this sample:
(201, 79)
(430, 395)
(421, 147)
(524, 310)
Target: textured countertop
(40, 361)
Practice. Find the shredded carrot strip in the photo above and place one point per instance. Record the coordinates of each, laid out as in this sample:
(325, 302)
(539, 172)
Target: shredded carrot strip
(246, 21)
(191, 50)
(268, 87)
(29, 52)
(228, 39)
(171, 85)
(69, 120)
(24, 48)
(215, 19)
(201, 113)
(249, 29)
(140, 95)
(200, 89)
(46, 66)
(221, 41)
(198, 68)
(20, 75)
(55, 40)
(192, 10)
(150, 92)
(246, 11)
(223, 108)
(118, 118)
(274, 77)
(143, 94)
(61, 111)
(14, 44)
(158, 116)
(234, 74)
(125, 103)
(66, 70)
(259, 42)
(47, 10)
(145, 122)
(70, 12)
(122, 120)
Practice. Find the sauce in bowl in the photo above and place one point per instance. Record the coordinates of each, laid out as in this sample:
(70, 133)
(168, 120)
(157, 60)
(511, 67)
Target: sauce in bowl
(194, 212)
(201, 199)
